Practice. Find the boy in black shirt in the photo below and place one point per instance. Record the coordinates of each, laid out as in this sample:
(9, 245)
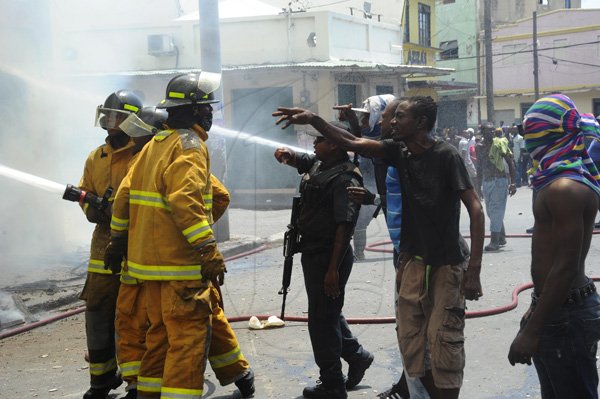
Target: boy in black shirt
(432, 291)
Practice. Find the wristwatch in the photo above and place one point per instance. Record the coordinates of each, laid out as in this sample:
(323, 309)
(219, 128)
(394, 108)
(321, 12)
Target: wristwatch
(377, 200)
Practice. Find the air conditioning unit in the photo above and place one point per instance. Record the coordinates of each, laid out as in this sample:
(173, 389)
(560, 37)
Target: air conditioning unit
(160, 45)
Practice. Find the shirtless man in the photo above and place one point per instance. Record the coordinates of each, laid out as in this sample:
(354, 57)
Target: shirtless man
(561, 329)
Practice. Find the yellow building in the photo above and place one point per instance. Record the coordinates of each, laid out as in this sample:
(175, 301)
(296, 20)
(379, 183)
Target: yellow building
(418, 20)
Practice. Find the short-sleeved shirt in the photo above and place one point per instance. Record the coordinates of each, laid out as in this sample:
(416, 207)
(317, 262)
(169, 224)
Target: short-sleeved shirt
(431, 183)
(518, 146)
(321, 212)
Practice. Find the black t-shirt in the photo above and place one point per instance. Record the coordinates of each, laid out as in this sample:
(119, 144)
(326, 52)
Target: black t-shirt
(431, 185)
(323, 209)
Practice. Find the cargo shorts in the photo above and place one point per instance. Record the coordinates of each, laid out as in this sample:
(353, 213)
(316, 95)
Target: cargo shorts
(431, 321)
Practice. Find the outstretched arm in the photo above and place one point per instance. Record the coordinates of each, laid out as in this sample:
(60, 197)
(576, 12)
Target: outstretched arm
(286, 156)
(341, 137)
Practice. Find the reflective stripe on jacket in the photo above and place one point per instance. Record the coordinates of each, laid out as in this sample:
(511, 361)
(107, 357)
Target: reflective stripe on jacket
(164, 205)
(105, 167)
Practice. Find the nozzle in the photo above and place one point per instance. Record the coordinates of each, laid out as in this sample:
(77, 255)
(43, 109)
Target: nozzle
(74, 194)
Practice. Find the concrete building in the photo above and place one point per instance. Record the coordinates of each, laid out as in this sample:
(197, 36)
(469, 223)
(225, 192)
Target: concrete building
(456, 34)
(569, 62)
(314, 58)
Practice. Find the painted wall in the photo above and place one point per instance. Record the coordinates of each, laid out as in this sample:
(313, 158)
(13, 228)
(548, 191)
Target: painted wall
(458, 21)
(572, 70)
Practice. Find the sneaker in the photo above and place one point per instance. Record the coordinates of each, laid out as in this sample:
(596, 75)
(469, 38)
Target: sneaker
(102, 393)
(359, 256)
(356, 370)
(395, 392)
(320, 391)
(529, 230)
(246, 384)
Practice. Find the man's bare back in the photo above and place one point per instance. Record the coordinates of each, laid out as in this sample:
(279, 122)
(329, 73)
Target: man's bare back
(564, 213)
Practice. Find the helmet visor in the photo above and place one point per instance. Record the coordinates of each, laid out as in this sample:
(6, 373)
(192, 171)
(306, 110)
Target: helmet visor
(133, 126)
(208, 83)
(107, 118)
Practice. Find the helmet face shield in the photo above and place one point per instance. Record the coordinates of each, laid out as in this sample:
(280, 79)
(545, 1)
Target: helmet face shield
(208, 83)
(107, 118)
(133, 126)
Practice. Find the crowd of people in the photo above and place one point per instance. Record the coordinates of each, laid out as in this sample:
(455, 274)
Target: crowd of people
(155, 267)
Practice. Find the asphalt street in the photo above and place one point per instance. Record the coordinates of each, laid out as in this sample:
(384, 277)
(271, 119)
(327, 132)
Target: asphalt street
(48, 362)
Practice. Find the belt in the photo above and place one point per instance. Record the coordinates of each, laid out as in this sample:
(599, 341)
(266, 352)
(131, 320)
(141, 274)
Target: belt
(576, 295)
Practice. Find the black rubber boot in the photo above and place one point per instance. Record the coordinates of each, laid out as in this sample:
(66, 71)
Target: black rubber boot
(102, 393)
(502, 238)
(494, 244)
(131, 394)
(321, 391)
(246, 384)
(356, 370)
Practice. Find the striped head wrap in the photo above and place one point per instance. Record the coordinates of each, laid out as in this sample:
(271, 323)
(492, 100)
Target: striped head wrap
(554, 136)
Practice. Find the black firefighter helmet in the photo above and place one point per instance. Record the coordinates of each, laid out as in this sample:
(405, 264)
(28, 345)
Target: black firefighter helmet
(191, 89)
(116, 108)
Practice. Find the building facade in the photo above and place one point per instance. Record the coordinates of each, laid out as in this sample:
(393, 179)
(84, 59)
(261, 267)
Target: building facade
(568, 58)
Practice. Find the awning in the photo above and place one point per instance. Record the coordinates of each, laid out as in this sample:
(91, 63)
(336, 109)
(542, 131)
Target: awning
(408, 71)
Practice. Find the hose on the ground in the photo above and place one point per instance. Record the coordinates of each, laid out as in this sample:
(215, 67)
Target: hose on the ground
(351, 320)
(80, 309)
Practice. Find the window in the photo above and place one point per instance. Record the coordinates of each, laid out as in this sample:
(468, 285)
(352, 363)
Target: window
(384, 89)
(515, 54)
(348, 94)
(560, 49)
(448, 1)
(449, 50)
(424, 25)
(407, 22)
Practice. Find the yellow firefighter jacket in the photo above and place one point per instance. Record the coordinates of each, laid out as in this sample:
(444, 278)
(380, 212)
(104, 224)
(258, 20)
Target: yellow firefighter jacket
(162, 205)
(105, 167)
(220, 198)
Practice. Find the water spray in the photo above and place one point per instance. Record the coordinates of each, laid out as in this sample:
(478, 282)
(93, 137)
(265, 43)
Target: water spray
(69, 193)
(250, 139)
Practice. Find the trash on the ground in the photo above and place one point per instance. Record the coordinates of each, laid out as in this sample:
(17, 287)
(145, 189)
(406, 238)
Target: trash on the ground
(271, 322)
(45, 355)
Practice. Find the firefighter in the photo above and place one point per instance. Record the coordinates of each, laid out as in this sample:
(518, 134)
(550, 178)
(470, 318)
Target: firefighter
(172, 249)
(131, 322)
(225, 356)
(105, 167)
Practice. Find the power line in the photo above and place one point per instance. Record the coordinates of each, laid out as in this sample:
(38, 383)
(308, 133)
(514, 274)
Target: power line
(530, 51)
(571, 62)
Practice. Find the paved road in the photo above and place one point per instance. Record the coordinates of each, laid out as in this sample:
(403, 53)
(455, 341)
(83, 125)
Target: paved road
(48, 362)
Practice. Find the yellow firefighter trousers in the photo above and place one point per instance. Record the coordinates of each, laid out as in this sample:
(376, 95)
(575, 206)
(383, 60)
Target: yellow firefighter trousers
(131, 325)
(177, 340)
(226, 358)
(100, 295)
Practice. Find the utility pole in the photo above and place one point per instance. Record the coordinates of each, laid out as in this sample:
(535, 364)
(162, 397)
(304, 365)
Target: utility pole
(536, 81)
(489, 72)
(210, 53)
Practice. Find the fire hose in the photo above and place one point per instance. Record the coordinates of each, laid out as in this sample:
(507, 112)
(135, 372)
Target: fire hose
(352, 320)
(80, 309)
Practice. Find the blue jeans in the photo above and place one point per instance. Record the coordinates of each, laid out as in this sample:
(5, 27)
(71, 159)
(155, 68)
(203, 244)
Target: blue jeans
(566, 357)
(329, 332)
(495, 192)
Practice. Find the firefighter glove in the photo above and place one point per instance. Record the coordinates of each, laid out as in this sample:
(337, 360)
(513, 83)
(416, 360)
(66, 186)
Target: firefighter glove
(213, 264)
(115, 252)
(95, 215)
